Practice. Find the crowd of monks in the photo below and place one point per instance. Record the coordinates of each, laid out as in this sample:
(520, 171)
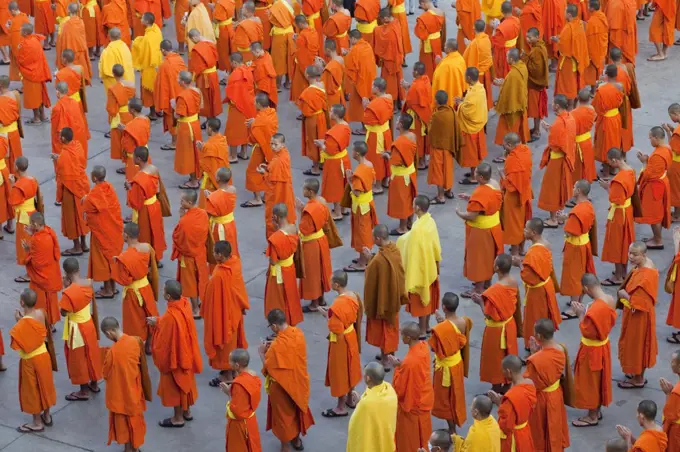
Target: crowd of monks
(325, 59)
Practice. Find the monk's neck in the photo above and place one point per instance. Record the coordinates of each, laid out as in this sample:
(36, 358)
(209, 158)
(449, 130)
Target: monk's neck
(538, 240)
(504, 279)
(132, 243)
(580, 199)
(224, 187)
(247, 371)
(78, 281)
(311, 198)
(651, 425)
(517, 379)
(344, 292)
(549, 344)
(29, 312)
(341, 122)
(451, 317)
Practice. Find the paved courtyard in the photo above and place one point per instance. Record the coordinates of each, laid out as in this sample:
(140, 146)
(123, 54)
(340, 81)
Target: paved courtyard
(84, 425)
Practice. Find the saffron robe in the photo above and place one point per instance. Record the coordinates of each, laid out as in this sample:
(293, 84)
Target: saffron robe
(315, 217)
(364, 216)
(242, 430)
(573, 59)
(279, 189)
(343, 368)
(373, 424)
(431, 30)
(103, 217)
(142, 199)
(540, 287)
(513, 417)
(558, 161)
(188, 248)
(584, 158)
(313, 106)
(72, 185)
(378, 116)
(403, 188)
(262, 128)
(608, 128)
(504, 38)
(240, 95)
(655, 190)
(500, 334)
(360, 70)
(281, 291)
(482, 245)
(35, 72)
(335, 162)
(578, 252)
(187, 106)
(620, 229)
(202, 64)
(517, 194)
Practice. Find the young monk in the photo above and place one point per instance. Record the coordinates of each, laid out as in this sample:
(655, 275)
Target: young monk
(187, 106)
(652, 438)
(418, 105)
(377, 118)
(558, 161)
(24, 198)
(546, 367)
(530, 16)
(449, 75)
(103, 216)
(288, 413)
(389, 50)
(213, 155)
(361, 71)
(483, 231)
(240, 97)
(176, 354)
(431, 30)
(279, 182)
(118, 97)
(626, 77)
(247, 30)
(81, 349)
(333, 76)
(442, 141)
(146, 57)
(337, 25)
(128, 386)
(166, 89)
(478, 54)
(203, 66)
(67, 113)
(136, 133)
(223, 18)
(607, 103)
(515, 406)
(505, 35)
(498, 303)
(637, 295)
(306, 50)
(77, 77)
(584, 117)
(260, 131)
(10, 112)
(572, 45)
(188, 248)
(313, 107)
(72, 185)
(597, 38)
(264, 74)
(403, 181)
(512, 103)
(593, 365)
(335, 159)
(536, 60)
(35, 73)
(244, 395)
(472, 114)
(451, 346)
(36, 385)
(671, 410)
(484, 433)
(224, 305)
(116, 52)
(282, 17)
(517, 193)
(343, 369)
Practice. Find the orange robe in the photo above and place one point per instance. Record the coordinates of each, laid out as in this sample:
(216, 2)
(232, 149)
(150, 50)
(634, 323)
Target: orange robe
(281, 290)
(176, 355)
(10, 115)
(92, 18)
(285, 366)
(6, 209)
(597, 37)
(219, 206)
(389, 50)
(530, 17)
(117, 98)
(264, 76)
(154, 7)
(537, 66)
(335, 162)
(418, 105)
(558, 159)
(313, 106)
(655, 189)
(35, 71)
(202, 63)
(72, 185)
(188, 131)
(167, 88)
(103, 217)
(67, 113)
(554, 20)
(240, 95)
(24, 195)
(136, 133)
(503, 39)
(364, 216)
(662, 27)
(245, 33)
(115, 15)
(264, 125)
(584, 158)
(577, 255)
(223, 15)
(623, 27)
(673, 171)
(146, 211)
(673, 316)
(540, 301)
(620, 231)
(573, 60)
(413, 385)
(76, 82)
(378, 116)
(188, 248)
(306, 50)
(441, 140)
(626, 77)
(182, 8)
(651, 441)
(333, 79)
(482, 245)
(512, 104)
(317, 255)
(72, 36)
(593, 364)
(213, 156)
(360, 70)
(282, 18)
(367, 12)
(335, 29)
(242, 430)
(403, 189)
(343, 368)
(222, 309)
(36, 383)
(4, 28)
(498, 340)
(607, 101)
(478, 54)
(279, 183)
(467, 12)
(671, 415)
(44, 17)
(513, 417)
(428, 26)
(473, 140)
(262, 13)
(125, 371)
(517, 194)
(637, 344)
(15, 39)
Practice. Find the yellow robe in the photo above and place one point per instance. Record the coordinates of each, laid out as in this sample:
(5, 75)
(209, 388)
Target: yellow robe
(484, 435)
(449, 76)
(491, 9)
(117, 52)
(147, 56)
(200, 20)
(374, 422)
(472, 113)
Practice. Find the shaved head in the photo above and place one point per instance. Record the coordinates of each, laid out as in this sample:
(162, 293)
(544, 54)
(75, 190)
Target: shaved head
(411, 330)
(98, 173)
(381, 231)
(240, 357)
(131, 230)
(512, 363)
(451, 45)
(173, 289)
(29, 298)
(190, 196)
(483, 404)
(375, 371)
(223, 175)
(583, 186)
(535, 225)
(280, 210)
(590, 281)
(109, 324)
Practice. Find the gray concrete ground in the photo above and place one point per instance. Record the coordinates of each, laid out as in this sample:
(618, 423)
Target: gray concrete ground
(83, 425)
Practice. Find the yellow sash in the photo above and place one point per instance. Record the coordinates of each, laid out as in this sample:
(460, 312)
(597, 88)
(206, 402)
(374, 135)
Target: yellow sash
(38, 351)
(339, 156)
(501, 324)
(332, 337)
(13, 127)
(614, 206)
(379, 130)
(573, 63)
(403, 171)
(312, 18)
(21, 211)
(275, 270)
(281, 31)
(228, 412)
(367, 28)
(553, 387)
(341, 35)
(554, 155)
(423, 126)
(362, 202)
(511, 43)
(210, 70)
(583, 137)
(221, 221)
(611, 113)
(593, 342)
(528, 287)
(115, 121)
(427, 46)
(513, 447)
(135, 286)
(224, 23)
(314, 236)
(580, 240)
(72, 336)
(90, 7)
(191, 118)
(445, 365)
(147, 202)
(676, 157)
(268, 380)
(625, 302)
(485, 221)
(243, 49)
(75, 96)
(3, 165)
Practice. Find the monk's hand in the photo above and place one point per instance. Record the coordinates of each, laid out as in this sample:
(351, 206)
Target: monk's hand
(321, 144)
(366, 253)
(578, 308)
(25, 245)
(386, 155)
(18, 315)
(173, 103)
(12, 178)
(121, 127)
(151, 321)
(623, 294)
(494, 396)
(406, 85)
(555, 38)
(207, 193)
(534, 346)
(498, 81)
(437, 60)
(517, 11)
(393, 361)
(516, 261)
(199, 145)
(545, 126)
(126, 185)
(642, 157)
(299, 205)
(439, 317)
(476, 298)
(604, 183)
(624, 432)
(225, 388)
(365, 101)
(323, 310)
(666, 386)
(54, 157)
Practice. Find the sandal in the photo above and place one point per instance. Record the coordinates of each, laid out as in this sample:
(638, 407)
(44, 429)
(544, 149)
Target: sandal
(98, 295)
(498, 160)
(249, 204)
(609, 283)
(47, 424)
(396, 233)
(628, 385)
(449, 194)
(167, 423)
(673, 339)
(310, 173)
(239, 156)
(566, 316)
(300, 446)
(73, 397)
(168, 147)
(4, 228)
(584, 422)
(467, 294)
(353, 269)
(187, 418)
(550, 226)
(330, 413)
(437, 202)
(186, 186)
(307, 310)
(71, 253)
(214, 383)
(21, 279)
(96, 389)
(467, 182)
(26, 429)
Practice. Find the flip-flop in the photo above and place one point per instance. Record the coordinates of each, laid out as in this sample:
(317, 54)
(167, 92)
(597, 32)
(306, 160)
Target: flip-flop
(248, 205)
(330, 413)
(629, 385)
(550, 226)
(310, 173)
(609, 283)
(566, 316)
(396, 233)
(378, 193)
(498, 160)
(120, 171)
(655, 247)
(4, 228)
(74, 398)
(184, 186)
(21, 279)
(187, 418)
(47, 424)
(241, 157)
(67, 253)
(449, 194)
(96, 391)
(167, 147)
(583, 423)
(467, 294)
(673, 339)
(338, 219)
(467, 182)
(307, 310)
(350, 269)
(533, 139)
(436, 202)
(26, 429)
(98, 295)
(30, 122)
(214, 383)
(233, 162)
(107, 135)
(300, 447)
(167, 423)
(358, 132)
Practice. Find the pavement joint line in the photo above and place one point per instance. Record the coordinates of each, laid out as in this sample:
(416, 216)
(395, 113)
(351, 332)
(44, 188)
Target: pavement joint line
(41, 436)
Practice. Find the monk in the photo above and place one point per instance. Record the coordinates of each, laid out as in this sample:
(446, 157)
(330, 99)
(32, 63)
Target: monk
(418, 105)
(637, 297)
(146, 57)
(17, 19)
(558, 159)
(336, 162)
(670, 409)
(282, 17)
(198, 19)
(443, 145)
(24, 197)
(333, 76)
(36, 385)
(431, 30)
(115, 15)
(264, 74)
(360, 70)
(505, 35)
(68, 113)
(536, 61)
(626, 77)
(572, 45)
(219, 205)
(224, 305)
(102, 216)
(6, 210)
(10, 124)
(35, 73)
(517, 193)
(597, 37)
(491, 11)
(279, 182)
(654, 187)
(72, 37)
(467, 13)
(483, 231)
(247, 30)
(498, 303)
(548, 367)
(584, 117)
(652, 438)
(142, 198)
(364, 216)
(81, 349)
(128, 386)
(515, 406)
(188, 248)
(135, 133)
(343, 369)
(203, 66)
(622, 28)
(374, 422)
(471, 114)
(662, 28)
(450, 344)
(166, 90)
(118, 97)
(312, 103)
(288, 413)
(449, 75)
(384, 293)
(223, 19)
(72, 185)
(608, 101)
(366, 15)
(593, 365)
(389, 50)
(484, 433)
(76, 77)
(478, 55)
(213, 155)
(176, 354)
(530, 16)
(315, 219)
(377, 119)
(512, 102)
(403, 181)
(187, 106)
(135, 269)
(262, 12)
(554, 20)
(260, 131)
(240, 98)
(92, 18)
(244, 395)
(413, 385)
(181, 13)
(306, 50)
(338, 24)
(44, 22)
(115, 52)
(673, 136)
